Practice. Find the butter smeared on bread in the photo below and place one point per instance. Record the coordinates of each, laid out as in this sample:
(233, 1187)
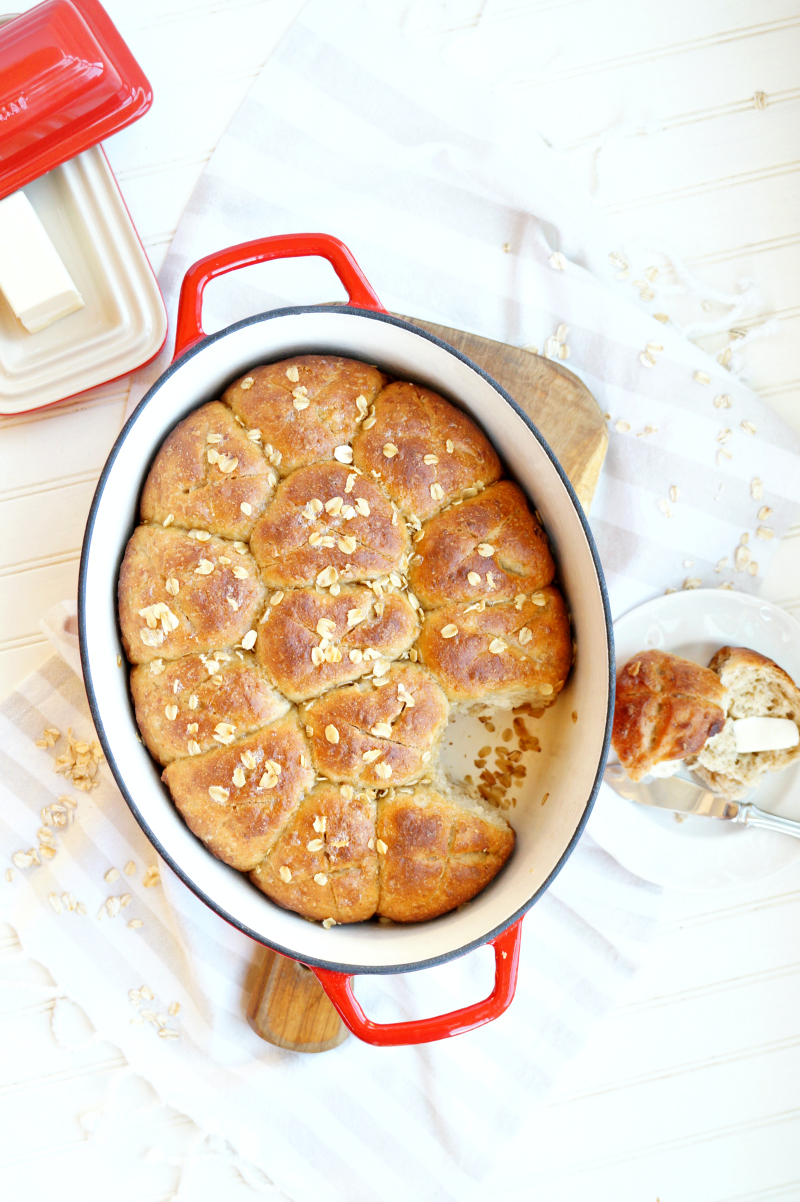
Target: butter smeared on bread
(755, 686)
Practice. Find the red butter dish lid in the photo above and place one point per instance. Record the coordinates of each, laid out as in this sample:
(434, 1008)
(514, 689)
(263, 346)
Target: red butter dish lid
(67, 80)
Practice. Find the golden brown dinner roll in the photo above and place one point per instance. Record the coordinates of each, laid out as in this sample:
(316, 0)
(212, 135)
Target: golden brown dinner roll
(324, 865)
(489, 546)
(180, 594)
(666, 709)
(425, 452)
(328, 523)
(209, 474)
(437, 849)
(237, 798)
(275, 570)
(378, 732)
(305, 407)
(183, 704)
(309, 641)
(755, 687)
(502, 655)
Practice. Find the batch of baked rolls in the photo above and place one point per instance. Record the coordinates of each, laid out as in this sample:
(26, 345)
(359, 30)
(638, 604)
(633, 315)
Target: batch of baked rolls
(329, 563)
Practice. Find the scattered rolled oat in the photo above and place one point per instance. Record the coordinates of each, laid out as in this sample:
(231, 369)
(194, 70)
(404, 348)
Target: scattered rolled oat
(343, 454)
(756, 489)
(702, 377)
(247, 383)
(497, 646)
(673, 493)
(622, 427)
(449, 631)
(765, 533)
(292, 373)
(748, 427)
(557, 261)
(130, 868)
(485, 550)
(724, 401)
(111, 876)
(331, 733)
(383, 770)
(152, 877)
(50, 737)
(320, 879)
(327, 923)
(79, 763)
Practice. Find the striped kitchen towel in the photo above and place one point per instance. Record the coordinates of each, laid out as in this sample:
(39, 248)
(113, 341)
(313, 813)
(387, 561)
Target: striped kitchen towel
(165, 980)
(458, 213)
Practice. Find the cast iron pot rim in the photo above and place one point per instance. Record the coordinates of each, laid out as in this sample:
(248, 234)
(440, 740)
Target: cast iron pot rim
(335, 966)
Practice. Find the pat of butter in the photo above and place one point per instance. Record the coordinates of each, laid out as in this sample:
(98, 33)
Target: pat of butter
(33, 279)
(765, 734)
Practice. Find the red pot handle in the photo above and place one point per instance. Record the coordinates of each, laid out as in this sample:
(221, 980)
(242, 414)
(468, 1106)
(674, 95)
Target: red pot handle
(188, 327)
(339, 988)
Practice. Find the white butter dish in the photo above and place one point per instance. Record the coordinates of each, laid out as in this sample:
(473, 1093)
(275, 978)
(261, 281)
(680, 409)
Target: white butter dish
(123, 323)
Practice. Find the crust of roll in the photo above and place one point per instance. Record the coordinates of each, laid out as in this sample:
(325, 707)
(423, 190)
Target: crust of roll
(208, 474)
(666, 709)
(218, 594)
(327, 849)
(316, 525)
(386, 731)
(502, 655)
(302, 420)
(442, 848)
(179, 703)
(241, 828)
(304, 656)
(491, 547)
(421, 424)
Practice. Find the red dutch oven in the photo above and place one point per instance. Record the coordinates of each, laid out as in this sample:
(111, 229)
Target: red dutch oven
(570, 766)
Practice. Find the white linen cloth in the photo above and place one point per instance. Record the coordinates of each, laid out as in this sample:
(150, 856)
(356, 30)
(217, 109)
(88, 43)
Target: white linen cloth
(351, 131)
(355, 1124)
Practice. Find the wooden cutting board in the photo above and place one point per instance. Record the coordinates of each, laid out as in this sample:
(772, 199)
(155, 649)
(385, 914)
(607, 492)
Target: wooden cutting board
(287, 1005)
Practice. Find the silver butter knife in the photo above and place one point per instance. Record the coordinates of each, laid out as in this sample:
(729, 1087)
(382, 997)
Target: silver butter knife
(683, 797)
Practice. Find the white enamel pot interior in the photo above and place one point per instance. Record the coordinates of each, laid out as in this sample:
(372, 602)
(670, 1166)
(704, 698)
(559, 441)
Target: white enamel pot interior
(574, 751)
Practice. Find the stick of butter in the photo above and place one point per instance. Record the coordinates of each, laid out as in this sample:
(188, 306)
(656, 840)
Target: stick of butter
(765, 734)
(33, 279)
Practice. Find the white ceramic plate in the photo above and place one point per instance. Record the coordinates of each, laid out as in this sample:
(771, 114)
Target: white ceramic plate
(703, 854)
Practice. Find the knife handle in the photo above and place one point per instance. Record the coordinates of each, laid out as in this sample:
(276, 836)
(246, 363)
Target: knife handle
(750, 815)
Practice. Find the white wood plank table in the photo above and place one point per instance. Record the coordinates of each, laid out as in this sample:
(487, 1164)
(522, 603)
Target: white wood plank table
(689, 1091)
